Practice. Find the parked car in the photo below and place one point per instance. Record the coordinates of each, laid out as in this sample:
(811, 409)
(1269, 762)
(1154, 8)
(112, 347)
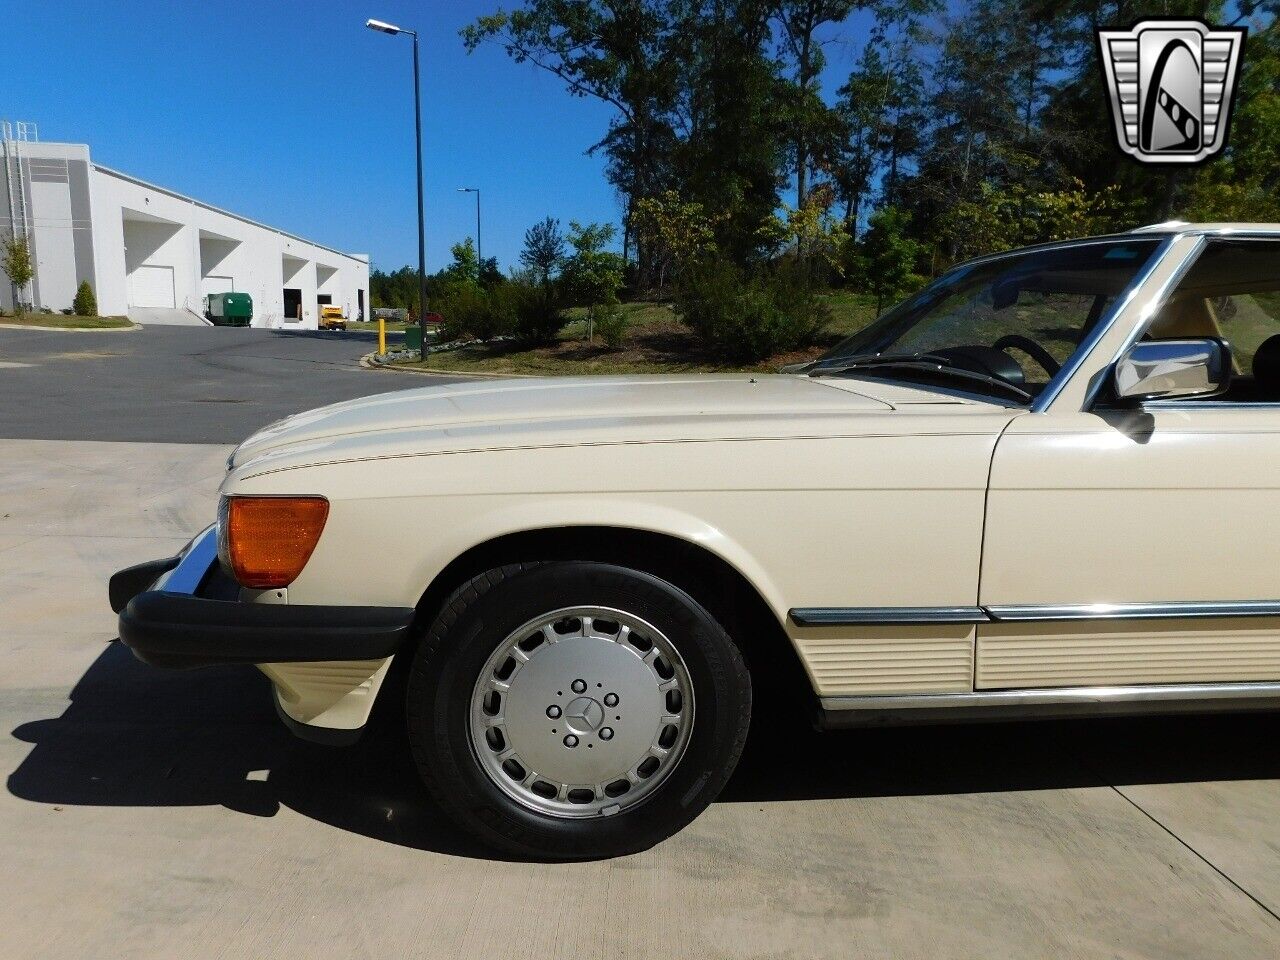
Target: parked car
(1041, 486)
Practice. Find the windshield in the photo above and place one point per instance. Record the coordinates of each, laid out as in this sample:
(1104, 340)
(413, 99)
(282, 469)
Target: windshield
(985, 327)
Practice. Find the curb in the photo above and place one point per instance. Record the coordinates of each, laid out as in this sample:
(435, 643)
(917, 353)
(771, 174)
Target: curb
(368, 364)
(36, 326)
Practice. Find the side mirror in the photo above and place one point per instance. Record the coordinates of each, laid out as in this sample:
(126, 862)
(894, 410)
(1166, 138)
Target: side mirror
(1163, 369)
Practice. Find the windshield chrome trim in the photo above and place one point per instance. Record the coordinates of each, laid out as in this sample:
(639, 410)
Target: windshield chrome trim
(1044, 400)
(1151, 306)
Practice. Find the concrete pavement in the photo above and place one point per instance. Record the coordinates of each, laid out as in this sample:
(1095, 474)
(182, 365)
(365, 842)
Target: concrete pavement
(166, 317)
(168, 814)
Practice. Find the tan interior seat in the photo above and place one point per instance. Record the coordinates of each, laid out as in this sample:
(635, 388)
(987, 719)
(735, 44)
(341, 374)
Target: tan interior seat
(1185, 317)
(1189, 316)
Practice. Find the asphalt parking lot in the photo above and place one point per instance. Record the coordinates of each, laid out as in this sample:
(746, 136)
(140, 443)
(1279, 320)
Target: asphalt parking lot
(175, 384)
(169, 814)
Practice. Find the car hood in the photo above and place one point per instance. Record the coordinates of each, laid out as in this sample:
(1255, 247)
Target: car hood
(575, 410)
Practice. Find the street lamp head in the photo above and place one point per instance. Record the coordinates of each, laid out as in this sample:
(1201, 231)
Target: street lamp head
(383, 27)
(468, 189)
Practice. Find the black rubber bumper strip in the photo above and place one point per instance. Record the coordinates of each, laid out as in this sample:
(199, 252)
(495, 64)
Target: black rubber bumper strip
(131, 581)
(179, 630)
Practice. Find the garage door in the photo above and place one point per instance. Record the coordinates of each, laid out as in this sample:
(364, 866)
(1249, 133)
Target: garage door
(216, 284)
(151, 286)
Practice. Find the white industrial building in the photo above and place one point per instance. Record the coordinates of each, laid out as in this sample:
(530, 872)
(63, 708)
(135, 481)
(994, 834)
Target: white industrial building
(154, 254)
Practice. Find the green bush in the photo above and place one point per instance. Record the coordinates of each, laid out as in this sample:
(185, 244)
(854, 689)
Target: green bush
(85, 304)
(610, 322)
(750, 318)
(531, 313)
(469, 311)
(539, 315)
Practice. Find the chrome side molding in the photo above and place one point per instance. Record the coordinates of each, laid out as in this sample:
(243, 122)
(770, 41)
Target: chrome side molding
(853, 616)
(1029, 613)
(1047, 703)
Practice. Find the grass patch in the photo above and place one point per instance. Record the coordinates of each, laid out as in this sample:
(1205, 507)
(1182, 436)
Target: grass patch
(58, 321)
(655, 342)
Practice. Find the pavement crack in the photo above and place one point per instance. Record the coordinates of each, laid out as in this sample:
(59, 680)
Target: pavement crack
(1200, 856)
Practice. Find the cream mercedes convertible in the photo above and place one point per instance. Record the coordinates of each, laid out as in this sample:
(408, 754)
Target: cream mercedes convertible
(1044, 485)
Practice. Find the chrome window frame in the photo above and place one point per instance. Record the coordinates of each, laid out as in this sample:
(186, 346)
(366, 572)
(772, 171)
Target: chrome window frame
(1148, 304)
(1049, 395)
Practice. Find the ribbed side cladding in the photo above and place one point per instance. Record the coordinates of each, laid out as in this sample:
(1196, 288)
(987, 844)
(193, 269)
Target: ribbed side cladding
(929, 658)
(1103, 653)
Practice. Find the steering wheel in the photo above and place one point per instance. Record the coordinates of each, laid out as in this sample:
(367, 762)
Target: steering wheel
(1032, 349)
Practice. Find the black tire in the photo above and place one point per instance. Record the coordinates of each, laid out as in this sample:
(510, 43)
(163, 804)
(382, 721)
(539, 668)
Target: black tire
(479, 616)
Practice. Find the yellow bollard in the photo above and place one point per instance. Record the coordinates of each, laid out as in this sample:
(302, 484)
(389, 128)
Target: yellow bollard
(382, 336)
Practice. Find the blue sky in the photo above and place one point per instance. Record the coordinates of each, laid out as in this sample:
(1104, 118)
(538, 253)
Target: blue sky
(293, 113)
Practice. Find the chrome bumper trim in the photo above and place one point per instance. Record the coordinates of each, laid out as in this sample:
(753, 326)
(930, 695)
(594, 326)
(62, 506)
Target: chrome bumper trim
(196, 560)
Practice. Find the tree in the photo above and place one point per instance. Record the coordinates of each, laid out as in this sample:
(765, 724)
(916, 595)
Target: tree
(465, 265)
(732, 154)
(1245, 183)
(592, 275)
(615, 51)
(543, 249)
(817, 241)
(677, 233)
(697, 96)
(85, 303)
(888, 256)
(800, 21)
(16, 262)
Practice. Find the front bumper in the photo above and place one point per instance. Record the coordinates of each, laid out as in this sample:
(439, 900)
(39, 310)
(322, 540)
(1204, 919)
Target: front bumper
(170, 617)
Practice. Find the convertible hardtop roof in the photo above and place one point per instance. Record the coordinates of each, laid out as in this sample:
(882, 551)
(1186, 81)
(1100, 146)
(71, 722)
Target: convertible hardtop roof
(1181, 226)
(1171, 228)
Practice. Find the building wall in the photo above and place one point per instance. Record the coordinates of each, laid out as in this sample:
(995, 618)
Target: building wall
(123, 223)
(52, 191)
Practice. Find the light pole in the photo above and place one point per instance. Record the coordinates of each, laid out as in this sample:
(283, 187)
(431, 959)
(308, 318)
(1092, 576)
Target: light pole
(382, 27)
(479, 254)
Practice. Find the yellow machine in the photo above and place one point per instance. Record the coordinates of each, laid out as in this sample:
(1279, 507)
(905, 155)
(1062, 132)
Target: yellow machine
(331, 318)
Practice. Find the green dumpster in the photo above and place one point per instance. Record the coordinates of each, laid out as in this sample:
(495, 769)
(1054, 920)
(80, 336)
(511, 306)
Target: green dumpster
(229, 309)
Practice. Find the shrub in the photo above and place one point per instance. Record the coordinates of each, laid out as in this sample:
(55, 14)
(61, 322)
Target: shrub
(539, 315)
(469, 312)
(751, 318)
(610, 322)
(85, 304)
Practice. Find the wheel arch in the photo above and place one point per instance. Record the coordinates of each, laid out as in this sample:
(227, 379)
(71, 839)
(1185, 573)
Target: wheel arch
(719, 585)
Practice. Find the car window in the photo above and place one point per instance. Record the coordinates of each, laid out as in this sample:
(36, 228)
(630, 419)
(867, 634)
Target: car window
(1017, 317)
(1054, 320)
(1232, 291)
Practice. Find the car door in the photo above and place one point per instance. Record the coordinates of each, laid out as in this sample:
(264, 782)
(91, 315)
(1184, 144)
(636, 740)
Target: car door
(1137, 545)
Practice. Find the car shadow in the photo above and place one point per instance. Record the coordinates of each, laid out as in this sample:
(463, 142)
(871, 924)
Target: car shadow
(136, 736)
(786, 759)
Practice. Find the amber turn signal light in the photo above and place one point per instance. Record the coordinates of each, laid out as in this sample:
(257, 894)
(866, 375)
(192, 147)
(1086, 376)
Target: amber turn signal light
(266, 541)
